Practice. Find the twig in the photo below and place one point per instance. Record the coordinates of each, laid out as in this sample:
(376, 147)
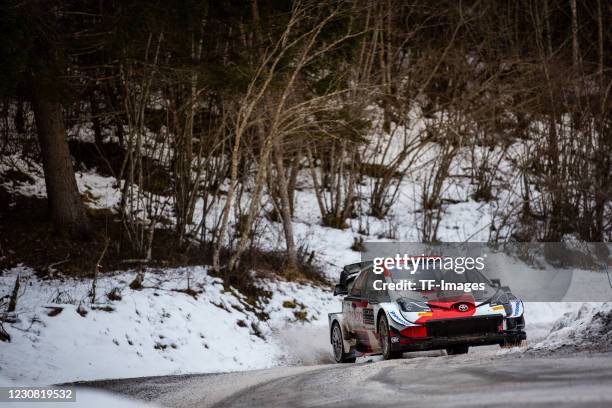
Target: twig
(135, 260)
(51, 266)
(96, 269)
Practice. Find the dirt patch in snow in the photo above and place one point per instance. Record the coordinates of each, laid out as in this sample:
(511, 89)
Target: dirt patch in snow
(27, 237)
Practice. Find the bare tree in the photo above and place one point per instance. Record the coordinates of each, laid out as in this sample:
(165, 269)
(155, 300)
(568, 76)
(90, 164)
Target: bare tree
(286, 115)
(67, 210)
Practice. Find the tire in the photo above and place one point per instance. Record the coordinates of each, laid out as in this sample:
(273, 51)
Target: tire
(385, 340)
(338, 345)
(454, 350)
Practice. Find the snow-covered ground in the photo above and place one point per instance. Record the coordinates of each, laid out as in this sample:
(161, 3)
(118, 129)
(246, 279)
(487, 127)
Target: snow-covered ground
(60, 335)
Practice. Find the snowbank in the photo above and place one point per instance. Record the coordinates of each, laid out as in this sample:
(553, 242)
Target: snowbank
(589, 328)
(541, 316)
(59, 336)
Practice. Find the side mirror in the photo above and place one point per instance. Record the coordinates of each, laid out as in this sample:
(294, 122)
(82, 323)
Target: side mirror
(496, 283)
(340, 290)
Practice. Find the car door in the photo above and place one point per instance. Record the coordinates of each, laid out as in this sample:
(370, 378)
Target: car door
(370, 307)
(352, 306)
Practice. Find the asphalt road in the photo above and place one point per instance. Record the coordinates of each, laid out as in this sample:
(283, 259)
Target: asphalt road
(479, 379)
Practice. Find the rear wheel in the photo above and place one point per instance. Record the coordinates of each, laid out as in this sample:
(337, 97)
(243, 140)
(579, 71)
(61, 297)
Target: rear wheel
(385, 339)
(454, 350)
(338, 345)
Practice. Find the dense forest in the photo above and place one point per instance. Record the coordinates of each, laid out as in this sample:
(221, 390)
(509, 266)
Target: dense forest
(213, 111)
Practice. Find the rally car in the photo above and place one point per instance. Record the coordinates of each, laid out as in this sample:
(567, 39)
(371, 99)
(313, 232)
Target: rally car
(391, 322)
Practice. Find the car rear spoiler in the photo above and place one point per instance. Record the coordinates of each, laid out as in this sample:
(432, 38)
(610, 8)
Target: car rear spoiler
(348, 274)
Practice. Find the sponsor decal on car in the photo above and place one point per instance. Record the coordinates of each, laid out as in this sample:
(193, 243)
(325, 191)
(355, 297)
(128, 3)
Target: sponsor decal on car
(368, 316)
(395, 316)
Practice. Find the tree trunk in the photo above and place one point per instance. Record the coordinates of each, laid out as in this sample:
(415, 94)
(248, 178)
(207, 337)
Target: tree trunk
(255, 205)
(291, 185)
(600, 43)
(285, 207)
(95, 118)
(67, 210)
(575, 46)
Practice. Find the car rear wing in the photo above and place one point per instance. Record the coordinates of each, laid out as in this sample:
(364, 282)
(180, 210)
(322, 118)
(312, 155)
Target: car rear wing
(348, 274)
